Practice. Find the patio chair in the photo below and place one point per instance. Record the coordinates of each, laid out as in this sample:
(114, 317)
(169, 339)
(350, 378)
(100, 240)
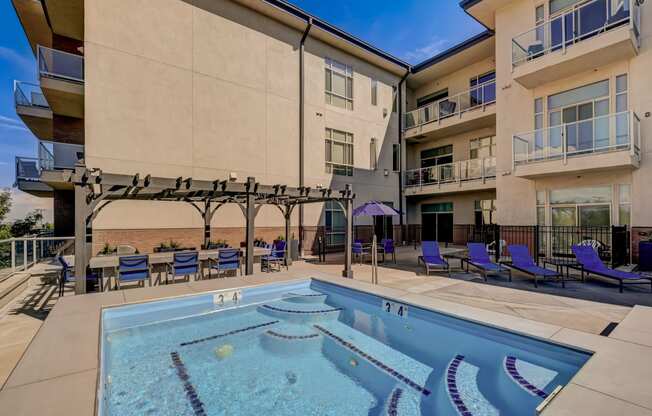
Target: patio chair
(227, 259)
(491, 247)
(523, 262)
(275, 258)
(67, 275)
(479, 258)
(133, 269)
(184, 264)
(446, 108)
(388, 248)
(432, 259)
(358, 251)
(590, 263)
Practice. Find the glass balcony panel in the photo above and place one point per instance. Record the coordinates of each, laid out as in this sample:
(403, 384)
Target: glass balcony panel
(53, 63)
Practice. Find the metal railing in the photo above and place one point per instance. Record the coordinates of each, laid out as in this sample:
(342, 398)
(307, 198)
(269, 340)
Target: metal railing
(476, 97)
(465, 170)
(58, 64)
(21, 253)
(619, 131)
(574, 26)
(27, 94)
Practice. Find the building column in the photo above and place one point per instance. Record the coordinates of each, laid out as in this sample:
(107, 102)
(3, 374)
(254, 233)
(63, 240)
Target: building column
(208, 216)
(82, 238)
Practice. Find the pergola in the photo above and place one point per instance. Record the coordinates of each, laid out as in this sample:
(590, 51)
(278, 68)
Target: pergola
(94, 190)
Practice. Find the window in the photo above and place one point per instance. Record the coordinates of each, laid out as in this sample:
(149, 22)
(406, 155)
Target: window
(539, 16)
(483, 91)
(394, 98)
(622, 124)
(339, 84)
(373, 154)
(485, 212)
(483, 147)
(624, 204)
(581, 206)
(541, 207)
(335, 227)
(431, 98)
(396, 157)
(437, 156)
(374, 92)
(339, 152)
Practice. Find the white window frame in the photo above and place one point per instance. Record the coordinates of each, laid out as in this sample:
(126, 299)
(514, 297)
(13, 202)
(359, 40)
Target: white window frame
(374, 92)
(332, 66)
(330, 165)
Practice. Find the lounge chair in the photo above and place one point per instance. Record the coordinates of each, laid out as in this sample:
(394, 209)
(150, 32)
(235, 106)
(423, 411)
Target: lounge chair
(432, 259)
(227, 259)
(67, 276)
(275, 258)
(479, 258)
(358, 251)
(590, 263)
(388, 248)
(133, 269)
(523, 262)
(184, 264)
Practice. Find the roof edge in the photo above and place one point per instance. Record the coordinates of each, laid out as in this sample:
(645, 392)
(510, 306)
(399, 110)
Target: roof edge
(482, 36)
(316, 21)
(465, 4)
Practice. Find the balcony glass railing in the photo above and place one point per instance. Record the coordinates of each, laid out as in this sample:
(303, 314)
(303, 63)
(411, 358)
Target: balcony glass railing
(576, 25)
(27, 94)
(476, 97)
(461, 171)
(51, 156)
(57, 64)
(620, 131)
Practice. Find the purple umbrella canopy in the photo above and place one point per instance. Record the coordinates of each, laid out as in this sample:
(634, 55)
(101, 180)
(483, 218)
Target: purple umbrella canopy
(374, 209)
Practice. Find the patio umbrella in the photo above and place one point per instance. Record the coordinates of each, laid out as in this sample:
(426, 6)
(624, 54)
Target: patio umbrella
(375, 209)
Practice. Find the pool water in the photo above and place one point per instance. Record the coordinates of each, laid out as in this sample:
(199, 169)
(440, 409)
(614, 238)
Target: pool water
(313, 348)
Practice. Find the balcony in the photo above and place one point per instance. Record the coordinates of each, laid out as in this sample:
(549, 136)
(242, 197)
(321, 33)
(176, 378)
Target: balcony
(607, 142)
(32, 172)
(469, 110)
(32, 107)
(462, 176)
(594, 34)
(62, 81)
(34, 22)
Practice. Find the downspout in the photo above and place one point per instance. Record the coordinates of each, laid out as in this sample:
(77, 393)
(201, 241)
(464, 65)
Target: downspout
(302, 123)
(400, 148)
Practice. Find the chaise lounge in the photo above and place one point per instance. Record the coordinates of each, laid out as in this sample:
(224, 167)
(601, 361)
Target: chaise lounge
(479, 258)
(590, 263)
(432, 259)
(523, 262)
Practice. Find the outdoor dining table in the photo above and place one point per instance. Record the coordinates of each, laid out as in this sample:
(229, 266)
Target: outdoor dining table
(108, 262)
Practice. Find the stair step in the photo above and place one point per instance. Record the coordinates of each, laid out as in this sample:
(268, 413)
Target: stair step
(463, 391)
(530, 377)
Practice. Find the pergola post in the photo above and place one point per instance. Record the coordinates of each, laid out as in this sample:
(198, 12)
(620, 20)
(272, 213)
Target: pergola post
(207, 223)
(82, 246)
(348, 246)
(288, 246)
(250, 214)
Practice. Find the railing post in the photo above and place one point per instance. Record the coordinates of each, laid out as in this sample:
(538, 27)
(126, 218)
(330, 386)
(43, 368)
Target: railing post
(13, 255)
(34, 249)
(536, 244)
(24, 254)
(564, 147)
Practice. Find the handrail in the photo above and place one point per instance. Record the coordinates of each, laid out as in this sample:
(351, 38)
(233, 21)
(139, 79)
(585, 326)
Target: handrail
(28, 94)
(538, 41)
(618, 131)
(54, 63)
(460, 171)
(461, 102)
(26, 251)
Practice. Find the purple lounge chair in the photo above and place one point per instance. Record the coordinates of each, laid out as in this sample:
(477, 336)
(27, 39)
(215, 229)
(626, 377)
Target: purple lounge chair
(432, 259)
(590, 263)
(523, 262)
(479, 258)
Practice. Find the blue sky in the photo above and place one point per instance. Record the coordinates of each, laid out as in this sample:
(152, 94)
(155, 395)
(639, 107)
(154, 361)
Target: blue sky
(412, 30)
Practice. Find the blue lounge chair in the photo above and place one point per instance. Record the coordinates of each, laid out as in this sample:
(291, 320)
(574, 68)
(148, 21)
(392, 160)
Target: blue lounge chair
(184, 264)
(227, 259)
(523, 262)
(590, 263)
(67, 276)
(133, 269)
(275, 258)
(479, 258)
(432, 259)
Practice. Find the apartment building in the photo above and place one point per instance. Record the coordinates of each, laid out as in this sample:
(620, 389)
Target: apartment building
(207, 90)
(540, 119)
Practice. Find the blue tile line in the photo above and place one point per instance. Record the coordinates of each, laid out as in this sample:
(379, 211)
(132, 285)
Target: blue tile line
(509, 364)
(304, 295)
(291, 337)
(392, 409)
(387, 369)
(195, 402)
(451, 386)
(226, 334)
(274, 308)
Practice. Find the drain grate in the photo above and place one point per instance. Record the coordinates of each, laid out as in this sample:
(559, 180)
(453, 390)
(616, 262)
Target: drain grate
(609, 329)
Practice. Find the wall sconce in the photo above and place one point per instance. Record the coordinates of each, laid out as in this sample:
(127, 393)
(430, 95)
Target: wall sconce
(386, 172)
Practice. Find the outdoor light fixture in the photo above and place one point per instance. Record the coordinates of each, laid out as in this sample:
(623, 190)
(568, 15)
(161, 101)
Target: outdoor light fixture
(233, 176)
(386, 172)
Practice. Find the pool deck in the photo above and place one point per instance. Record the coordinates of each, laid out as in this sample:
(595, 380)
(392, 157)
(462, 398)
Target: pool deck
(57, 374)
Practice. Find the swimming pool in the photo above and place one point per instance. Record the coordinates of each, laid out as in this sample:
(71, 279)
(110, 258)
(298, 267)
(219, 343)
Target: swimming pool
(315, 348)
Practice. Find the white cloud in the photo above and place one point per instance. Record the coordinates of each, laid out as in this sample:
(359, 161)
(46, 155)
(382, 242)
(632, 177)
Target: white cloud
(24, 63)
(435, 46)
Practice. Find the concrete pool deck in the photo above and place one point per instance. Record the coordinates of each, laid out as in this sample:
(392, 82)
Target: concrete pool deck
(57, 374)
